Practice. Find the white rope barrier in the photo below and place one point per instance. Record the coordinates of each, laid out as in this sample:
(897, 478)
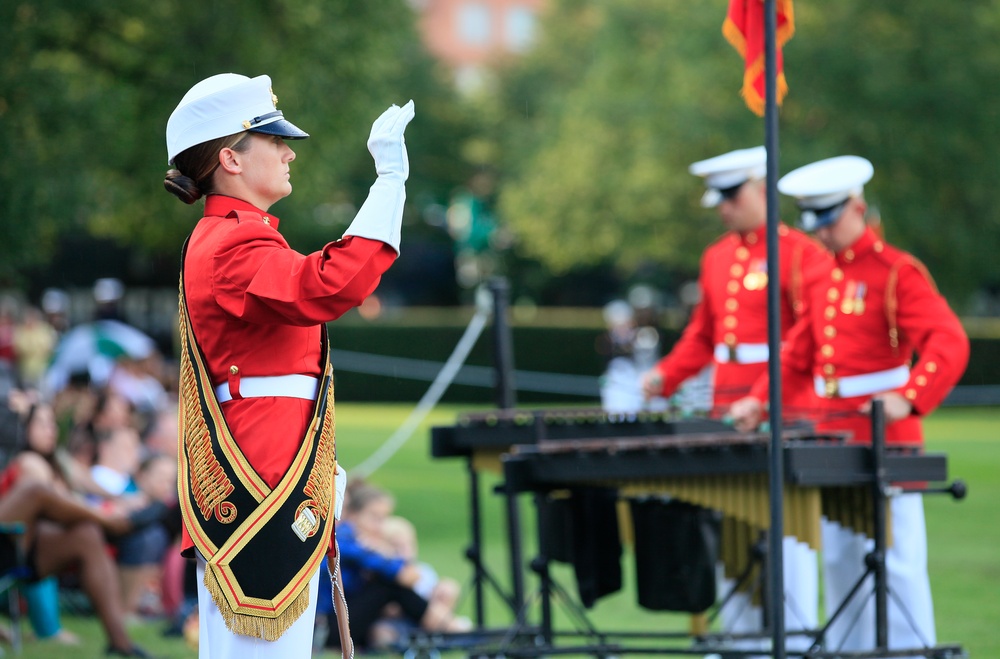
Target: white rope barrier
(430, 399)
(475, 376)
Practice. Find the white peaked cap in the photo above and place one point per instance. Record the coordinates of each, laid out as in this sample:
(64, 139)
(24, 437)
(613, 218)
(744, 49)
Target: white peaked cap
(226, 104)
(827, 182)
(729, 170)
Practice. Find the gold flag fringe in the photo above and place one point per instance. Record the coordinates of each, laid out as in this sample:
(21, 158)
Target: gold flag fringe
(268, 629)
(737, 40)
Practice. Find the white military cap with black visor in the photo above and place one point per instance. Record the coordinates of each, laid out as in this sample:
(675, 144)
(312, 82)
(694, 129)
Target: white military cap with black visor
(725, 174)
(822, 189)
(226, 104)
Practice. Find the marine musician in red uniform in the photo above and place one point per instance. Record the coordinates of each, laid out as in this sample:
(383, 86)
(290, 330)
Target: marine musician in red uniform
(257, 460)
(728, 330)
(876, 328)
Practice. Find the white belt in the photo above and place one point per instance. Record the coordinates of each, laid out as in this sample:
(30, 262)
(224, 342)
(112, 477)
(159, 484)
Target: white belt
(744, 353)
(862, 385)
(286, 386)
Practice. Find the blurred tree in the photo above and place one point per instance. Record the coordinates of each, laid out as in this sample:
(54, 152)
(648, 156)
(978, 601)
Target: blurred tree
(598, 125)
(910, 86)
(604, 118)
(86, 89)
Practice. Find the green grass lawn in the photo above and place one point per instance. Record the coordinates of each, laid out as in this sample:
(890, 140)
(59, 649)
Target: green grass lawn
(964, 537)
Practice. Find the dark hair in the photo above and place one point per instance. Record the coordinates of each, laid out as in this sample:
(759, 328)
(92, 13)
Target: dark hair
(192, 178)
(26, 447)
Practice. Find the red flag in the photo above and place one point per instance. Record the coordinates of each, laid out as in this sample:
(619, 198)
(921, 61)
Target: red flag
(744, 29)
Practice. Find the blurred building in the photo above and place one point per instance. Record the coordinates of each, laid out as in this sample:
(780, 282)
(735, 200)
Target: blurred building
(468, 35)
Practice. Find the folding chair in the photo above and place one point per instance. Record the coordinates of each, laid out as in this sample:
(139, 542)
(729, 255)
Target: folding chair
(11, 579)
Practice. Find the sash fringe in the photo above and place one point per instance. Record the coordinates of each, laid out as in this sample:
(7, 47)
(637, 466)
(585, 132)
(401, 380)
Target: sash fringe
(268, 629)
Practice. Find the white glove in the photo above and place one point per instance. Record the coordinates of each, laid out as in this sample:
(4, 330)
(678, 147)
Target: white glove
(387, 145)
(381, 216)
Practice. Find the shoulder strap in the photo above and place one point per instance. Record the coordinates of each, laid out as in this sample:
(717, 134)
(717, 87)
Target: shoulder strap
(891, 296)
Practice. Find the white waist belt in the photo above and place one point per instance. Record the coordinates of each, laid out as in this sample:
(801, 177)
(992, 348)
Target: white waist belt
(744, 353)
(862, 385)
(286, 386)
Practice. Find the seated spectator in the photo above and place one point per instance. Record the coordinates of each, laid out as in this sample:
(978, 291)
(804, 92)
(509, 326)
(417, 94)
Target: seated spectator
(116, 461)
(161, 434)
(34, 341)
(146, 500)
(375, 578)
(102, 413)
(141, 552)
(33, 460)
(137, 381)
(63, 533)
(401, 540)
(146, 490)
(401, 536)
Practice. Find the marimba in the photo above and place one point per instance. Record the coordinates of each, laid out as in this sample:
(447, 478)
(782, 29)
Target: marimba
(700, 461)
(824, 475)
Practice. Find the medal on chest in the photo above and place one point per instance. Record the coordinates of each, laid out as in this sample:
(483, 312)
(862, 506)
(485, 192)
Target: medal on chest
(756, 277)
(854, 298)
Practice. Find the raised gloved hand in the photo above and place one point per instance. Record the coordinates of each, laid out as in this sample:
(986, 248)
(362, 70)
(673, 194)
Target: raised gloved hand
(381, 216)
(387, 145)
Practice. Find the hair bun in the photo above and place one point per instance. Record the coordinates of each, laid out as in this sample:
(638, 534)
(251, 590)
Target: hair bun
(181, 186)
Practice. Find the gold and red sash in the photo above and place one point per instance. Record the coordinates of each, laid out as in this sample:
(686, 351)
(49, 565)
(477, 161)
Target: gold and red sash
(262, 545)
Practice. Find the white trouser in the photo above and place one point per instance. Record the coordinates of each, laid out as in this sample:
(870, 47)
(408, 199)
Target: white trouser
(801, 575)
(906, 574)
(215, 641)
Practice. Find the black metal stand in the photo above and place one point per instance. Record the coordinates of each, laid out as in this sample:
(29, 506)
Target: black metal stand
(503, 362)
(875, 561)
(480, 575)
(758, 558)
(548, 589)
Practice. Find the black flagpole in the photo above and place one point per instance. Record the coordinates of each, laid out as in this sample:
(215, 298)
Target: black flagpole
(776, 581)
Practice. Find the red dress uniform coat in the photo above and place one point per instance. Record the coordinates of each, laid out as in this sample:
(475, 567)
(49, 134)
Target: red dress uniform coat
(733, 312)
(877, 308)
(257, 307)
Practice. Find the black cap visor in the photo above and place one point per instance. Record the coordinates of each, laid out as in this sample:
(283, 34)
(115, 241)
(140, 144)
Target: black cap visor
(813, 219)
(282, 127)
